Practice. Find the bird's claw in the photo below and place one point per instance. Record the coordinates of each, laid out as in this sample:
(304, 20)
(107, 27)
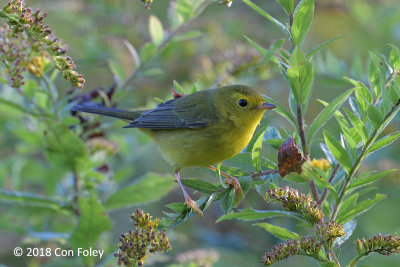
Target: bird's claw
(237, 188)
(192, 204)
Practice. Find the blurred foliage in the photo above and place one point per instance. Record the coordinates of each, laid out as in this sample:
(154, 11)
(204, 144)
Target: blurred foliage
(70, 181)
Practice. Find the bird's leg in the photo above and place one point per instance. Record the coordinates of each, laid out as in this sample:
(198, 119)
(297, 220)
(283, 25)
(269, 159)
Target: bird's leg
(231, 181)
(188, 200)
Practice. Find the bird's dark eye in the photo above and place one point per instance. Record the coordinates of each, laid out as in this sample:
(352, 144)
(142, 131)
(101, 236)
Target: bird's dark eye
(242, 102)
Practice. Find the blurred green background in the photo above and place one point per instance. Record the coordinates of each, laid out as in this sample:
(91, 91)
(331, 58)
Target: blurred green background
(95, 31)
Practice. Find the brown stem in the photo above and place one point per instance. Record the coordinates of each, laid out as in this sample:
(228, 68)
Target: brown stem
(325, 192)
(305, 149)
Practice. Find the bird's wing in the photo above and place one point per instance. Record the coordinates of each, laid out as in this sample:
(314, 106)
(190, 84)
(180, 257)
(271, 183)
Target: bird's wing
(191, 111)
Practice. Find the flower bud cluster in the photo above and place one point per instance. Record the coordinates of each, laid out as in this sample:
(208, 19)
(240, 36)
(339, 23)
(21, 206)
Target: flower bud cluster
(24, 20)
(306, 246)
(384, 245)
(136, 246)
(292, 200)
(327, 232)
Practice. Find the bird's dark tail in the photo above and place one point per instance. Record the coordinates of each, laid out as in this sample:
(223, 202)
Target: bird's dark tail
(111, 112)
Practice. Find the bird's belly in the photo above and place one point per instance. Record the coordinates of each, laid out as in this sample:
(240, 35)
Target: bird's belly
(201, 146)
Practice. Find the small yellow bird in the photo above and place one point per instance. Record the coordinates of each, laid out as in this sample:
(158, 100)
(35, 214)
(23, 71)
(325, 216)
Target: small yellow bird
(200, 129)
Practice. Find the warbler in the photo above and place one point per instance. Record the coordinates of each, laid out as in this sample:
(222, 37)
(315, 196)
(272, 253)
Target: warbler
(200, 129)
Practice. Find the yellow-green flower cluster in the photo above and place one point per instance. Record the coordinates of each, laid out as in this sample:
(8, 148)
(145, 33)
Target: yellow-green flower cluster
(384, 245)
(327, 232)
(292, 200)
(135, 247)
(322, 164)
(308, 246)
(21, 19)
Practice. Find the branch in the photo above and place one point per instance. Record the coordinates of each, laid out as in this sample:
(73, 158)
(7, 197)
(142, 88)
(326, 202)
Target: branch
(357, 164)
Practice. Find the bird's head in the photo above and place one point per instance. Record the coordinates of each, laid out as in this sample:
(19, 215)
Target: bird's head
(241, 104)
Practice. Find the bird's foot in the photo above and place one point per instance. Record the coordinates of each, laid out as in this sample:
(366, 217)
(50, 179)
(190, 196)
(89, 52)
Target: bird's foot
(237, 188)
(192, 204)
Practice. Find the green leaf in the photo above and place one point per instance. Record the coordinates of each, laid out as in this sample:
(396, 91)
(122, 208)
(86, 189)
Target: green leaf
(376, 74)
(31, 200)
(358, 125)
(279, 232)
(263, 13)
(147, 52)
(323, 117)
(92, 222)
(388, 139)
(64, 148)
(287, 5)
(394, 58)
(187, 36)
(322, 46)
(271, 51)
(117, 71)
(360, 208)
(259, 48)
(256, 151)
(250, 146)
(374, 116)
(226, 200)
(338, 152)
(156, 30)
(281, 110)
(200, 185)
(300, 75)
(302, 19)
(178, 87)
(252, 215)
(355, 183)
(297, 178)
(18, 107)
(150, 187)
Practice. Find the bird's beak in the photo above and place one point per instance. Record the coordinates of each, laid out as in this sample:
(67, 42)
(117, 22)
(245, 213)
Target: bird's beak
(265, 106)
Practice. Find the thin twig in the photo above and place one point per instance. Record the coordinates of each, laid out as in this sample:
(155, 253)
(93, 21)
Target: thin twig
(305, 149)
(325, 192)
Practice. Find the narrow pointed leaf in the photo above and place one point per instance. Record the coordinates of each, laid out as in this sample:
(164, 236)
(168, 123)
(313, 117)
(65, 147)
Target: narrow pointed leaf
(374, 116)
(287, 5)
(256, 152)
(263, 13)
(361, 207)
(383, 142)
(322, 46)
(358, 125)
(369, 179)
(200, 185)
(156, 30)
(327, 113)
(252, 215)
(338, 152)
(302, 19)
(259, 48)
(279, 232)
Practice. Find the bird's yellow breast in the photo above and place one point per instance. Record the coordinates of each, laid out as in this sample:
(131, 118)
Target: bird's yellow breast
(203, 146)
